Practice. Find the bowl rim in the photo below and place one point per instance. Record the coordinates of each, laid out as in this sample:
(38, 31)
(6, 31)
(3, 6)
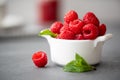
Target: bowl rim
(67, 40)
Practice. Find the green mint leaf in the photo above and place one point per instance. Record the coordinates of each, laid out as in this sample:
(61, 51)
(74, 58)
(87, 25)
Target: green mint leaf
(78, 65)
(80, 60)
(47, 32)
(69, 67)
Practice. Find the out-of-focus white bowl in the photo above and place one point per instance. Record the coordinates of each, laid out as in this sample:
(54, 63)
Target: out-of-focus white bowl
(63, 51)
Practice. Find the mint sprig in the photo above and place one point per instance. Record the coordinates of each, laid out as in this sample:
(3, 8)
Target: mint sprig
(78, 65)
(47, 32)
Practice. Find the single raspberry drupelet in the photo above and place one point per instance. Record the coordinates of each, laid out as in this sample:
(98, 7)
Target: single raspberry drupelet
(90, 31)
(70, 16)
(90, 17)
(76, 26)
(39, 59)
(56, 26)
(102, 29)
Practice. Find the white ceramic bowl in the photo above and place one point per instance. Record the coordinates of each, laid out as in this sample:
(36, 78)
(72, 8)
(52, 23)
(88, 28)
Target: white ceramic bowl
(63, 51)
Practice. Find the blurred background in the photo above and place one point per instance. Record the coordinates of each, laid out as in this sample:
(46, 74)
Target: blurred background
(28, 17)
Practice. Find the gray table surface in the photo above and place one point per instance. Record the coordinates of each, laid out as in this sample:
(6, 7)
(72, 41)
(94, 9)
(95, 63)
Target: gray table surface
(16, 63)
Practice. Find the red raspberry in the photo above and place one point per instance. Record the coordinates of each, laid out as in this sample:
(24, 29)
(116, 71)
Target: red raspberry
(66, 24)
(56, 26)
(90, 31)
(64, 28)
(70, 16)
(76, 26)
(79, 37)
(102, 29)
(90, 17)
(66, 34)
(39, 58)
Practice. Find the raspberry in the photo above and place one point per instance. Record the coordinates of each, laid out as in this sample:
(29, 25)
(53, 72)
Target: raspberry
(66, 34)
(70, 16)
(66, 24)
(76, 26)
(64, 28)
(90, 31)
(90, 17)
(56, 26)
(102, 29)
(79, 37)
(39, 58)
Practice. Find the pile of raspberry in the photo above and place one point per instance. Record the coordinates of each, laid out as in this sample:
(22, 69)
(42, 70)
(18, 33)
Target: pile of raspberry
(74, 28)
